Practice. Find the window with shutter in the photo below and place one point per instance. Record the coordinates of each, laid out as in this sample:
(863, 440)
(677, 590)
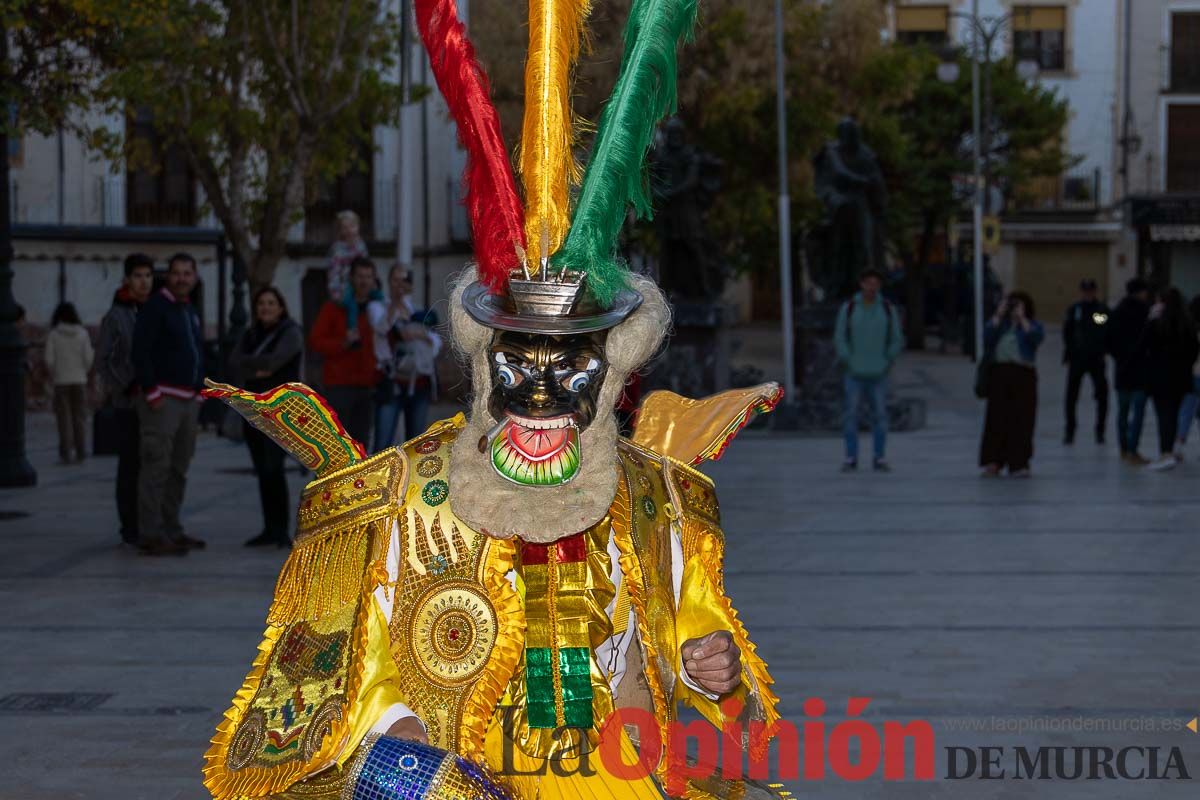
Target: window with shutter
(922, 25)
(1185, 52)
(160, 188)
(1041, 32)
(353, 191)
(1183, 157)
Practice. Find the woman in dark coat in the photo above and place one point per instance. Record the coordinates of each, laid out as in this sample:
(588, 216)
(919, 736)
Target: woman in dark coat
(1011, 340)
(1170, 348)
(269, 354)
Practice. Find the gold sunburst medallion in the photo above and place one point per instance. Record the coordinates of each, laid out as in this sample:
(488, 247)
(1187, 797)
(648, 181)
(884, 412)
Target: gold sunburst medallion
(453, 631)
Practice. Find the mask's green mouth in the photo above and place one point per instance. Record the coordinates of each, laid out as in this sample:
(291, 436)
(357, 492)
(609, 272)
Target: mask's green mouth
(536, 456)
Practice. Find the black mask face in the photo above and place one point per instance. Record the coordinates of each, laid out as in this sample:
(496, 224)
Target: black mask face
(544, 390)
(539, 377)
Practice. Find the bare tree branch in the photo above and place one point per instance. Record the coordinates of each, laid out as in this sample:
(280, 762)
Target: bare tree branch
(291, 80)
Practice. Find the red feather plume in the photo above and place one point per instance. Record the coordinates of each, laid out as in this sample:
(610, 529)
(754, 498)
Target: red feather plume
(497, 218)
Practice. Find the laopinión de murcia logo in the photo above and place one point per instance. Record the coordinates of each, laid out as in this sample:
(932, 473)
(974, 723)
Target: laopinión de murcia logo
(851, 750)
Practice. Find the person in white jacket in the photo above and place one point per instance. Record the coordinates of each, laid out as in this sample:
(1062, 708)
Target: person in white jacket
(69, 359)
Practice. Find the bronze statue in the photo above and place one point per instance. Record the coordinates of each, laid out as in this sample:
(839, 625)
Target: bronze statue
(850, 185)
(685, 181)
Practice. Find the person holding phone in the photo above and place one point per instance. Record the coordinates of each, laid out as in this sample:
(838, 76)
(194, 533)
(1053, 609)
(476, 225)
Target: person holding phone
(1011, 340)
(406, 349)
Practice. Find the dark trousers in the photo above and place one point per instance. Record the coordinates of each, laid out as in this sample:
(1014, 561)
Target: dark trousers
(128, 459)
(1131, 411)
(269, 463)
(1010, 417)
(168, 442)
(1094, 370)
(1166, 409)
(69, 412)
(392, 400)
(353, 407)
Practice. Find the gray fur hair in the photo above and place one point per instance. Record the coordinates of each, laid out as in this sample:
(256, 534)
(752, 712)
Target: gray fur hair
(493, 505)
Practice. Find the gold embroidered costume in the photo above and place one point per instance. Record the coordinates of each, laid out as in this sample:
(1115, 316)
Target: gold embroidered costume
(451, 645)
(517, 574)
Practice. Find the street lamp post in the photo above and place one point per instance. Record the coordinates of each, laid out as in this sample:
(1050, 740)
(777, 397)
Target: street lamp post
(15, 469)
(785, 231)
(984, 31)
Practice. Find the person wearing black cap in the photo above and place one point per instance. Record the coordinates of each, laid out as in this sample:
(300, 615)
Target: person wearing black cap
(1085, 343)
(1125, 326)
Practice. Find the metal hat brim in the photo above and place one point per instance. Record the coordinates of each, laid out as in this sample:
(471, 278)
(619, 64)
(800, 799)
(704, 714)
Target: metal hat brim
(491, 310)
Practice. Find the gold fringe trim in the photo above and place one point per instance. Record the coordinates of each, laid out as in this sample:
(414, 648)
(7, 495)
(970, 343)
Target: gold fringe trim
(631, 572)
(710, 549)
(480, 705)
(326, 572)
(256, 782)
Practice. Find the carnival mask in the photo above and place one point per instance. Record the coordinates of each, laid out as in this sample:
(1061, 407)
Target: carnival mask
(544, 391)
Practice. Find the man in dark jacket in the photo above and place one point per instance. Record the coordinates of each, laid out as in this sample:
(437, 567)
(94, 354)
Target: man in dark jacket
(1129, 367)
(1085, 339)
(114, 365)
(168, 355)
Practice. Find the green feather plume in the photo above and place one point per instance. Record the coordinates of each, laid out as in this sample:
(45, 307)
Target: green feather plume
(645, 93)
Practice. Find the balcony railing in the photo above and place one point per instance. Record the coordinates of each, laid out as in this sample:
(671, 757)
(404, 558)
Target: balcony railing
(1069, 192)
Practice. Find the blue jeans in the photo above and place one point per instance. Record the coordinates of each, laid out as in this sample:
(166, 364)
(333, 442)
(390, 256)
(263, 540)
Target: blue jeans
(1131, 413)
(876, 391)
(393, 399)
(1187, 411)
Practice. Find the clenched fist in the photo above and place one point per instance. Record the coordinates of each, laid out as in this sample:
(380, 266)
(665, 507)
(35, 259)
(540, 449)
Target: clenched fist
(714, 662)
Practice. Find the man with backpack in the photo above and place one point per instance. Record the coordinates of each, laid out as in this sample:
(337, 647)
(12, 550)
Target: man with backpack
(868, 341)
(1085, 341)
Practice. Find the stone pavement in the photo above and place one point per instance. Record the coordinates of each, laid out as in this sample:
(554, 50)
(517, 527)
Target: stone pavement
(1066, 602)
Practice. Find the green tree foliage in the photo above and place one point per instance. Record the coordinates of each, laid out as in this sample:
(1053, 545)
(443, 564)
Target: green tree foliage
(49, 70)
(265, 98)
(1022, 140)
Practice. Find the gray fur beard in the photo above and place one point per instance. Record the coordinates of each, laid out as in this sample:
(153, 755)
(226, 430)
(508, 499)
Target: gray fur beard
(494, 505)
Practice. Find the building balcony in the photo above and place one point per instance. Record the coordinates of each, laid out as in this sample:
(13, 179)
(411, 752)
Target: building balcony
(1071, 193)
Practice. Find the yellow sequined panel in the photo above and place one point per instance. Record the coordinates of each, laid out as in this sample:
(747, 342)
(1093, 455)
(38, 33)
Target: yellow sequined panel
(300, 697)
(651, 514)
(444, 624)
(693, 494)
(354, 495)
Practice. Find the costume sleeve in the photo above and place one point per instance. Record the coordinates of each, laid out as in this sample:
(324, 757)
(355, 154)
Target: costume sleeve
(704, 608)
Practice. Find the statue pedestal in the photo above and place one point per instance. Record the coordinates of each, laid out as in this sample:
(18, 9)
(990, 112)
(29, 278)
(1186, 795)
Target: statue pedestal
(696, 363)
(819, 394)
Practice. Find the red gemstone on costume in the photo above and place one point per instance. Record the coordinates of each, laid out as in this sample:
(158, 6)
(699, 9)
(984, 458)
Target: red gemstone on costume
(686, 483)
(302, 420)
(325, 496)
(360, 483)
(453, 634)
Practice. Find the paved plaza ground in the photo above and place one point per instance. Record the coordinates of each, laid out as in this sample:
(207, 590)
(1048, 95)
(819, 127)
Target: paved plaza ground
(1066, 603)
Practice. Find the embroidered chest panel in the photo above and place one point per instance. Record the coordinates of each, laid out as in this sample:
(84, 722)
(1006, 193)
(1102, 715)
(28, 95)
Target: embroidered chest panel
(651, 513)
(444, 624)
(302, 695)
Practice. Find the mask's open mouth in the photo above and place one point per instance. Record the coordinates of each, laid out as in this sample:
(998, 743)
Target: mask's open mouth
(537, 452)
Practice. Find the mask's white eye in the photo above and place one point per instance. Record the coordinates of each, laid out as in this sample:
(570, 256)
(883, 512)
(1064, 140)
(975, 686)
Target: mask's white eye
(507, 375)
(577, 382)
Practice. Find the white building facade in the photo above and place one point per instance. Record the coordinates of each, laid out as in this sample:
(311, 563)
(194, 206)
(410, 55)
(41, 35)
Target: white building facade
(1069, 229)
(77, 215)
(1161, 141)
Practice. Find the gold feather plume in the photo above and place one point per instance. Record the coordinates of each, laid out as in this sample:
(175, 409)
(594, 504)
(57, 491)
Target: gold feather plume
(547, 160)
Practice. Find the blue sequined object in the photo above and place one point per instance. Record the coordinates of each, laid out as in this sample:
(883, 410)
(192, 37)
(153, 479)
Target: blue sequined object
(399, 769)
